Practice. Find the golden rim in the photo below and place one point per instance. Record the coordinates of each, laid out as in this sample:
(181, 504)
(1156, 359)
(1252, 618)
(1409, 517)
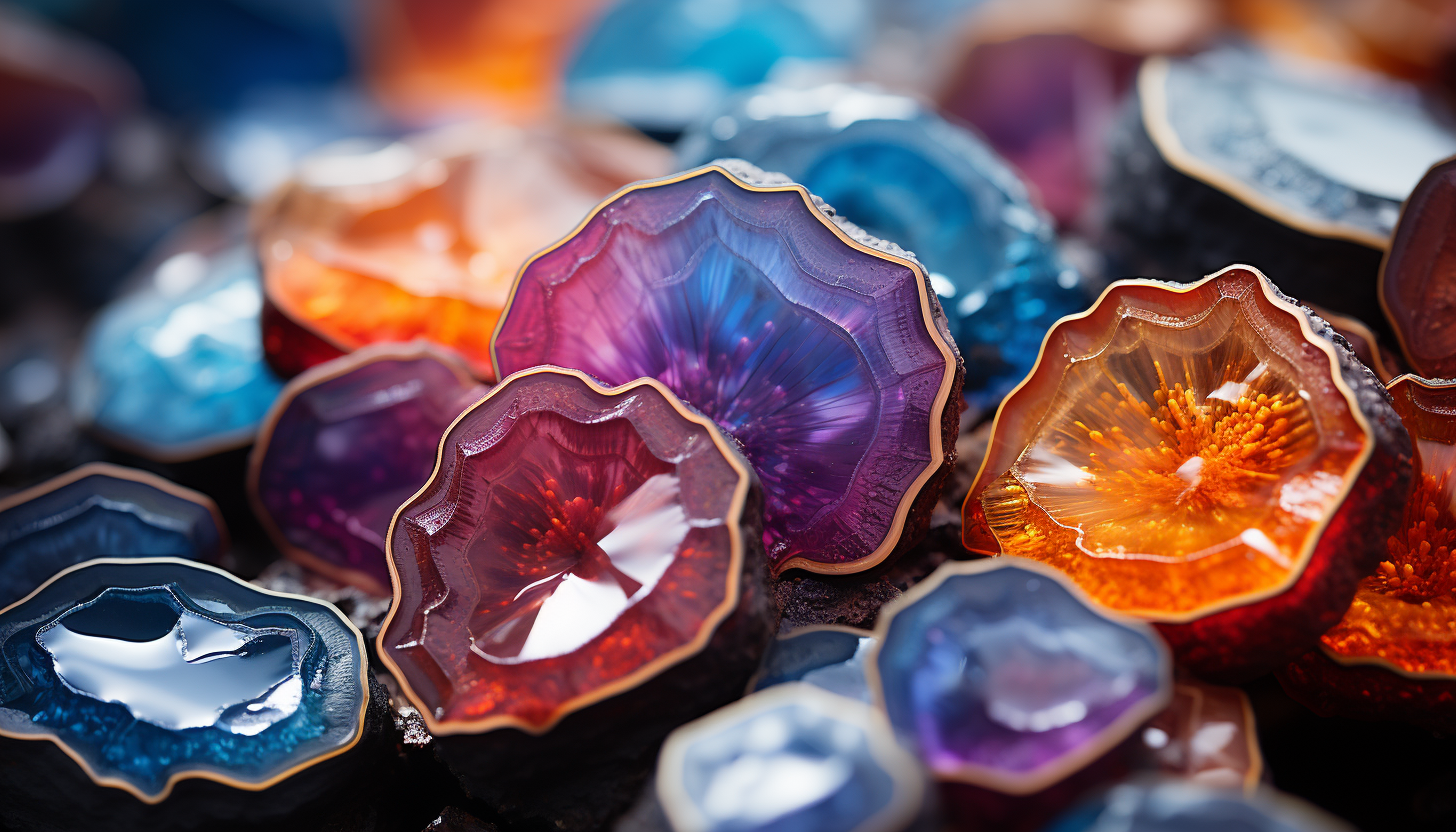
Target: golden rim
(803, 631)
(1049, 773)
(216, 777)
(119, 472)
(312, 377)
(909, 791)
(927, 318)
(647, 671)
(1340, 321)
(1327, 346)
(1385, 260)
(1152, 90)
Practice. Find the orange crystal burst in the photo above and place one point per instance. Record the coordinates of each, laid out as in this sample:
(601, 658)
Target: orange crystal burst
(422, 238)
(1180, 452)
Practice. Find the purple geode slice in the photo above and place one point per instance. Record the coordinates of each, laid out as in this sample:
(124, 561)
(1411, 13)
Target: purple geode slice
(345, 444)
(822, 350)
(1004, 677)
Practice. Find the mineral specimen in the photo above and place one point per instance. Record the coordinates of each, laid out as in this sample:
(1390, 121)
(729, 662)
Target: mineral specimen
(821, 350)
(826, 656)
(1366, 345)
(344, 445)
(1417, 289)
(1201, 456)
(584, 566)
(101, 510)
(1207, 736)
(902, 173)
(1173, 806)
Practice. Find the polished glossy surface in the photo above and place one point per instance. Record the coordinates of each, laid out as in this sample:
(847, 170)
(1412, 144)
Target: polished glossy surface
(1418, 277)
(1207, 736)
(176, 370)
(789, 759)
(902, 173)
(149, 671)
(101, 511)
(1003, 676)
(828, 657)
(345, 445)
(822, 357)
(1171, 806)
(571, 540)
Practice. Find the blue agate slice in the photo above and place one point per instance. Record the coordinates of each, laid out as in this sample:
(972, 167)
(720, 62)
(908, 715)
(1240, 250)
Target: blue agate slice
(904, 174)
(101, 510)
(176, 371)
(828, 657)
(790, 759)
(1179, 806)
(151, 671)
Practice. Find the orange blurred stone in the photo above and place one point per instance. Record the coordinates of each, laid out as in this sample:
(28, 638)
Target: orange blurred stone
(1207, 735)
(422, 238)
(1412, 39)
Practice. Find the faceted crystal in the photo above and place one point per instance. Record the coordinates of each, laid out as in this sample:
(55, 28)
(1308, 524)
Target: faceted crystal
(1418, 278)
(826, 656)
(1207, 736)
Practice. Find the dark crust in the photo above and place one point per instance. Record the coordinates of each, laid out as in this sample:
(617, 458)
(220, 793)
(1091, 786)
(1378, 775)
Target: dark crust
(1369, 692)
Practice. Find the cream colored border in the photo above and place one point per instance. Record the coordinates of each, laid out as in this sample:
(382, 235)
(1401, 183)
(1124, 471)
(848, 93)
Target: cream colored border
(126, 785)
(909, 792)
(642, 674)
(927, 317)
(1311, 538)
(1056, 770)
(1152, 89)
(1385, 261)
(415, 350)
(1340, 321)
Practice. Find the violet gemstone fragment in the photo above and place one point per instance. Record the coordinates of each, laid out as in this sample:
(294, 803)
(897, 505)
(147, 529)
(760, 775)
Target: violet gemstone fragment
(345, 445)
(821, 350)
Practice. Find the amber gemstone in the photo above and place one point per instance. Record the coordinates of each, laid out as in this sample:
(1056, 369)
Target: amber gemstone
(1207, 735)
(1418, 277)
(1202, 457)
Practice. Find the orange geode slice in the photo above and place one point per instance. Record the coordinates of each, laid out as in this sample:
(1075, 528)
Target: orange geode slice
(421, 238)
(1393, 655)
(1203, 456)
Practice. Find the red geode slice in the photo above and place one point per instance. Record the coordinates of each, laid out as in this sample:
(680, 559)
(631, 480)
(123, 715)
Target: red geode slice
(1418, 275)
(822, 350)
(574, 543)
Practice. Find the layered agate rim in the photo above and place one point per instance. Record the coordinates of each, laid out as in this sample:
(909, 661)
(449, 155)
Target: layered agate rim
(1061, 767)
(891, 757)
(927, 318)
(1405, 228)
(312, 377)
(1152, 91)
(1341, 323)
(1034, 387)
(202, 774)
(106, 469)
(720, 613)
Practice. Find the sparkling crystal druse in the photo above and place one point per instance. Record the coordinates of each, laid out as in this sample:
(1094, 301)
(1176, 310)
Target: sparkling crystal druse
(821, 350)
(1203, 456)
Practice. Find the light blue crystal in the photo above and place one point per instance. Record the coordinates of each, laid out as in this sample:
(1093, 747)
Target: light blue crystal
(1179, 806)
(828, 658)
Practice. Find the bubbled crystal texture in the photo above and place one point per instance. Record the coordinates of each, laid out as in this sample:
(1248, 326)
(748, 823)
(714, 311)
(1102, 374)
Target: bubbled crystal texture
(152, 671)
(822, 359)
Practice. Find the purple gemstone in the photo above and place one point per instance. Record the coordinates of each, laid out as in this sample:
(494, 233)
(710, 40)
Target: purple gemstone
(826, 357)
(347, 443)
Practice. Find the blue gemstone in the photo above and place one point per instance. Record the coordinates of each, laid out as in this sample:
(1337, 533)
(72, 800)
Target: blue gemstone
(100, 511)
(153, 670)
(906, 175)
(176, 370)
(832, 658)
(1178, 806)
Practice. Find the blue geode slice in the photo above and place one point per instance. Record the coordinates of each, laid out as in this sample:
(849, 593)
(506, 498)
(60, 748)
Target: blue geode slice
(904, 174)
(101, 510)
(150, 672)
(788, 759)
(1179, 806)
(176, 371)
(826, 656)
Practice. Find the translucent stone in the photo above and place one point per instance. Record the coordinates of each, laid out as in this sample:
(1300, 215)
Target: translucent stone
(1173, 806)
(1418, 278)
(902, 173)
(96, 511)
(1207, 736)
(789, 758)
(828, 657)
(1003, 677)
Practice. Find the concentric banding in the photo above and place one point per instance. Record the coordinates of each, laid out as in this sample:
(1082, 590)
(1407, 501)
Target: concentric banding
(1417, 291)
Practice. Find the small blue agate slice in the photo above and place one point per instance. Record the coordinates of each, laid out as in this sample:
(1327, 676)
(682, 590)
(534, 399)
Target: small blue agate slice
(825, 656)
(176, 371)
(904, 174)
(790, 759)
(151, 671)
(1179, 806)
(101, 510)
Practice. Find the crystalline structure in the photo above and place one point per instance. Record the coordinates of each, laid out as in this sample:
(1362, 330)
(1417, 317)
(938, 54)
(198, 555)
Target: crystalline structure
(1173, 806)
(1207, 736)
(825, 656)
(663, 64)
(101, 510)
(420, 238)
(904, 174)
(176, 371)
(1186, 452)
(789, 758)
(1004, 678)
(824, 356)
(152, 671)
(572, 540)
(1418, 278)
(345, 444)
